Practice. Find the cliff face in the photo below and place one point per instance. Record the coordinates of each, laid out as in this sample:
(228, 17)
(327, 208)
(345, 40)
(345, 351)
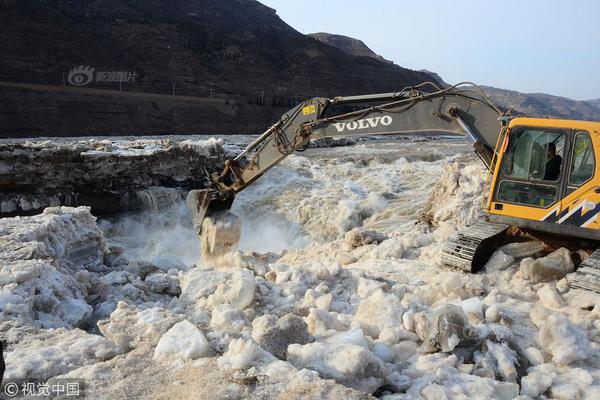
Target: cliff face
(238, 51)
(107, 176)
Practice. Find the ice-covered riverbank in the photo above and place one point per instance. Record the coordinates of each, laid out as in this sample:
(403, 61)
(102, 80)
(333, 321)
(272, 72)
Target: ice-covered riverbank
(337, 293)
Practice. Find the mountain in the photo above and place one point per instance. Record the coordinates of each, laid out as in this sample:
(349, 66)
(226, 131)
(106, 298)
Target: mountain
(595, 102)
(166, 66)
(544, 105)
(537, 104)
(347, 44)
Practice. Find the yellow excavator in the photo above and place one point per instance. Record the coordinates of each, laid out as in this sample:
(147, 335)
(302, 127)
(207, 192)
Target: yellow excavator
(542, 182)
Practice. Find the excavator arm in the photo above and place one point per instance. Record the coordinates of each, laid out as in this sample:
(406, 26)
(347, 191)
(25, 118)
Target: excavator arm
(461, 109)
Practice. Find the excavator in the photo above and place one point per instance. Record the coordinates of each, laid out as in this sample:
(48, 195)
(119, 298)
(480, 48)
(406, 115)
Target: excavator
(543, 175)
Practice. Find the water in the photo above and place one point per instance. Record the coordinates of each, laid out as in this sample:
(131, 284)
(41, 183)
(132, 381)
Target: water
(313, 197)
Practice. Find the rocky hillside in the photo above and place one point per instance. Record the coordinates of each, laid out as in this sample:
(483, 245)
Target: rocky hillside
(349, 45)
(238, 51)
(545, 105)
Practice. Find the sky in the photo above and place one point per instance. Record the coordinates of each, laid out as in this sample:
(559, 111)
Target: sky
(532, 46)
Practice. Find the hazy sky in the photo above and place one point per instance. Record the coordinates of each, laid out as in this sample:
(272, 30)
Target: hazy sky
(548, 46)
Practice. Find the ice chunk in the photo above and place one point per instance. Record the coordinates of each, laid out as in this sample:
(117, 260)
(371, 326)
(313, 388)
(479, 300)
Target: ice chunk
(499, 261)
(505, 359)
(384, 352)
(522, 249)
(163, 283)
(227, 318)
(378, 311)
(243, 354)
(554, 266)
(49, 353)
(353, 336)
(275, 335)
(549, 296)
(348, 364)
(183, 341)
(473, 310)
(198, 283)
(130, 327)
(320, 321)
(448, 329)
(359, 237)
(238, 290)
(564, 341)
(535, 384)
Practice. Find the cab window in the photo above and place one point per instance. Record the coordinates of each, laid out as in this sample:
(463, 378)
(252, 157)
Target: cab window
(584, 163)
(534, 155)
(531, 167)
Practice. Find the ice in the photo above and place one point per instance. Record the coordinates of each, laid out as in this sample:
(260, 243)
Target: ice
(44, 258)
(351, 365)
(163, 283)
(550, 297)
(227, 318)
(243, 354)
(337, 287)
(535, 383)
(564, 341)
(456, 196)
(130, 327)
(352, 336)
(184, 341)
(380, 310)
(499, 261)
(54, 352)
(522, 249)
(447, 328)
(360, 237)
(473, 309)
(197, 283)
(237, 290)
(384, 352)
(276, 334)
(552, 267)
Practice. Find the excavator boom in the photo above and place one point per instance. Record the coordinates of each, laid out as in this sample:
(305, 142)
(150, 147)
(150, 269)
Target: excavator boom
(461, 109)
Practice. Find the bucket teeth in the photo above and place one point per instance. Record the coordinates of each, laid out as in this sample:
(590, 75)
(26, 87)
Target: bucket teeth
(471, 248)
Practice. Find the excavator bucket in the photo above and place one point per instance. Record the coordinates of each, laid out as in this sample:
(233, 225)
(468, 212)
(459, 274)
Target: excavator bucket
(219, 230)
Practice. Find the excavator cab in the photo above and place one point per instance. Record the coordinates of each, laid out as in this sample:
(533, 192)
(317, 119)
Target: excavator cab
(544, 181)
(545, 177)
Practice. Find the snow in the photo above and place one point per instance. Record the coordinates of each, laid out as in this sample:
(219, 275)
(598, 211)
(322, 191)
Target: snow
(184, 340)
(337, 292)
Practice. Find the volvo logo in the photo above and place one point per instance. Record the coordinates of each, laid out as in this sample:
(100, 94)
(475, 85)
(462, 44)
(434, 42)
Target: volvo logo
(363, 123)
